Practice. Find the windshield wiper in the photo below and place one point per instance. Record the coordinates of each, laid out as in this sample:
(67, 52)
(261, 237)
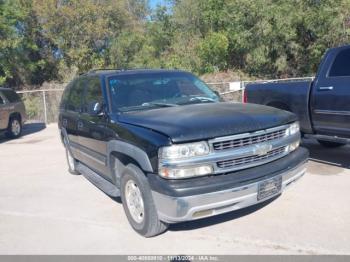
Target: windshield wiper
(159, 104)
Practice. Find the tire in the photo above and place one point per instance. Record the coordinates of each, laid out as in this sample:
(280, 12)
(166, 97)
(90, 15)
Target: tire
(330, 144)
(138, 203)
(14, 129)
(71, 161)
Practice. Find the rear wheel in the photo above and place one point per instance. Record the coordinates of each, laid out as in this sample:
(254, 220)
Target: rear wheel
(138, 203)
(14, 129)
(330, 144)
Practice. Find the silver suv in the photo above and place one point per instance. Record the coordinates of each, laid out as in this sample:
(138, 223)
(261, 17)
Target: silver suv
(12, 113)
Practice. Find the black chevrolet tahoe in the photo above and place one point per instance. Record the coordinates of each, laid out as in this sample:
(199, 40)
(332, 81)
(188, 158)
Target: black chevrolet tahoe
(173, 151)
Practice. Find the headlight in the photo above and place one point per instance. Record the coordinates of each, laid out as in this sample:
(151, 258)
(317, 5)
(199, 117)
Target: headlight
(184, 150)
(185, 172)
(293, 129)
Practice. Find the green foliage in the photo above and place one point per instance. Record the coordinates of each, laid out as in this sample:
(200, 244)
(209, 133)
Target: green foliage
(25, 54)
(213, 51)
(124, 48)
(33, 105)
(81, 30)
(43, 40)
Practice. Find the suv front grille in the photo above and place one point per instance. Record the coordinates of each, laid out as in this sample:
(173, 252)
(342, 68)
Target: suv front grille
(250, 140)
(246, 161)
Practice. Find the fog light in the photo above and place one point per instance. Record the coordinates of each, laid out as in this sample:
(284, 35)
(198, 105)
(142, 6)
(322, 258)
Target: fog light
(185, 172)
(294, 146)
(202, 213)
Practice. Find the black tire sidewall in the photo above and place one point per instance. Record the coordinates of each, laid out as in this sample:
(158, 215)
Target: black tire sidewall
(139, 227)
(134, 173)
(9, 128)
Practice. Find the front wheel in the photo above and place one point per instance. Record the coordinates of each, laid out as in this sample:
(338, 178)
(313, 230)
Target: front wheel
(14, 129)
(138, 203)
(330, 144)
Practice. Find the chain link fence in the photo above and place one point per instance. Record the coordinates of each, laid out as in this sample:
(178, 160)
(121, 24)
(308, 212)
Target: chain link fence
(42, 105)
(225, 91)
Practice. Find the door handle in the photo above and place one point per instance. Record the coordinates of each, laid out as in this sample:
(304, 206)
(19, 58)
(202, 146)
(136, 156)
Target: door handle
(325, 88)
(80, 125)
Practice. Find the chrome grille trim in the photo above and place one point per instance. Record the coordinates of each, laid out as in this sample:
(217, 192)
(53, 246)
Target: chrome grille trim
(219, 159)
(242, 148)
(249, 139)
(251, 159)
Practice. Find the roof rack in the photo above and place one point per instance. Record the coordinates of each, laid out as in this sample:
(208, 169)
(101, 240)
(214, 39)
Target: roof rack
(101, 69)
(105, 69)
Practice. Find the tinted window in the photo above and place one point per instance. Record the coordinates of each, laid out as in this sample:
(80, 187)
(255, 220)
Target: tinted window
(75, 95)
(1, 100)
(93, 94)
(341, 64)
(145, 90)
(11, 96)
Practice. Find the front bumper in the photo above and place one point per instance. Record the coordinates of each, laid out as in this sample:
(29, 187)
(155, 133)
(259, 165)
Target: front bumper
(176, 209)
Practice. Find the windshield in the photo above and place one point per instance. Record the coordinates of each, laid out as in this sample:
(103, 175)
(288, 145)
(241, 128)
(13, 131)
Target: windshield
(162, 89)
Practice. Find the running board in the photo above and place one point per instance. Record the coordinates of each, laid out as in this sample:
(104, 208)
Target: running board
(330, 138)
(98, 181)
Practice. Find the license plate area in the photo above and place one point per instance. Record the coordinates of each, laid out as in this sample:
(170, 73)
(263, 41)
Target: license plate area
(269, 187)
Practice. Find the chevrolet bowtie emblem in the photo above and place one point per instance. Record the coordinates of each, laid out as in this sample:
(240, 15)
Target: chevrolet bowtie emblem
(262, 149)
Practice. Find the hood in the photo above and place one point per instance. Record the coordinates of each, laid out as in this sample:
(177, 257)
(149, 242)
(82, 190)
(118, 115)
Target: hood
(205, 121)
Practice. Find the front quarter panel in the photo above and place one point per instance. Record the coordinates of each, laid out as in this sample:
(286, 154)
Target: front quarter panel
(141, 144)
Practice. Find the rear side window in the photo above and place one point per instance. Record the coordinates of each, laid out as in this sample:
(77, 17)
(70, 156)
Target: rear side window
(93, 94)
(11, 96)
(341, 64)
(75, 96)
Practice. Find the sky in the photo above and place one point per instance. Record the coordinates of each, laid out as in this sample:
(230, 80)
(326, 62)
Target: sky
(153, 3)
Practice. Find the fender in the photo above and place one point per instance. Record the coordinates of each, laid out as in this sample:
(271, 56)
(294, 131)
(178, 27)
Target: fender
(129, 150)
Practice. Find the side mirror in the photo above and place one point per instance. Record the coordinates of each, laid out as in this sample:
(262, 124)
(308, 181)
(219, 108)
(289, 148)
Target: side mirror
(217, 93)
(221, 99)
(96, 109)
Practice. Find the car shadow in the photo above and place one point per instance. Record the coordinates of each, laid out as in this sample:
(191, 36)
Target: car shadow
(332, 156)
(116, 199)
(28, 128)
(218, 219)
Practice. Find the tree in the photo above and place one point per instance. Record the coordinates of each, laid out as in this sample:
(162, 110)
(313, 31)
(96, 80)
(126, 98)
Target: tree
(24, 57)
(82, 30)
(213, 51)
(43, 40)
